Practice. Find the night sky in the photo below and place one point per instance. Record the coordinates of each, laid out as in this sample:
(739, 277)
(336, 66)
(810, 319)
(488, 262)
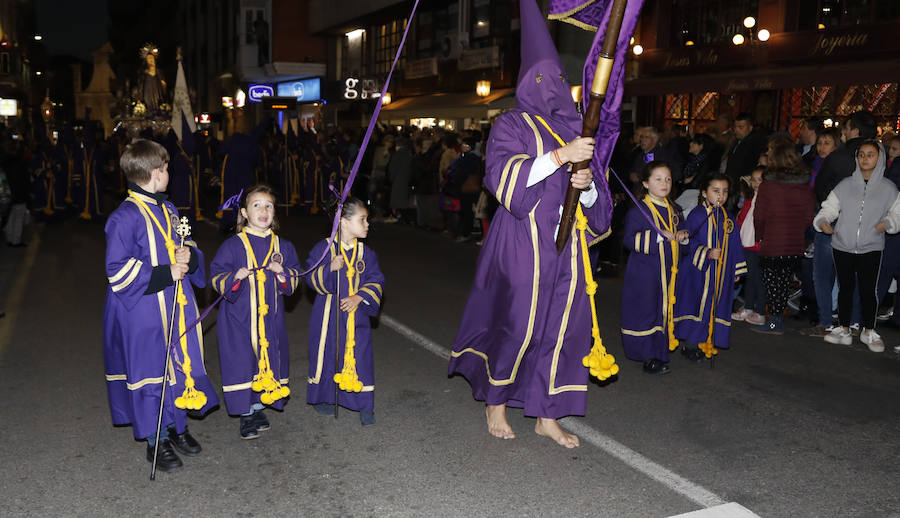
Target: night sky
(75, 28)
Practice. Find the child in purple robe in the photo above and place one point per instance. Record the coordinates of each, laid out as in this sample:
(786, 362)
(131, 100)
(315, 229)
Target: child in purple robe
(705, 286)
(144, 264)
(350, 270)
(254, 270)
(648, 296)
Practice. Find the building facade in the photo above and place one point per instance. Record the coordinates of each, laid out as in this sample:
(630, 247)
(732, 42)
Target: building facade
(780, 60)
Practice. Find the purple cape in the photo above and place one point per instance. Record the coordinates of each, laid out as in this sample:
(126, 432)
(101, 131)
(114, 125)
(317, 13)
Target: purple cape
(135, 325)
(238, 322)
(645, 287)
(322, 326)
(695, 285)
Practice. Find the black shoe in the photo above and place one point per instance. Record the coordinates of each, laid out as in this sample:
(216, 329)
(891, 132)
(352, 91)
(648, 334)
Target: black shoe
(366, 418)
(248, 427)
(185, 443)
(694, 355)
(262, 424)
(655, 366)
(166, 458)
(324, 408)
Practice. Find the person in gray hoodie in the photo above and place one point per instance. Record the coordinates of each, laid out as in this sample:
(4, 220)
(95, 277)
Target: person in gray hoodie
(864, 206)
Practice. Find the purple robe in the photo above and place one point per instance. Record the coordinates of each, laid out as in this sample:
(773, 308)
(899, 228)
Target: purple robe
(135, 324)
(527, 322)
(238, 321)
(695, 285)
(322, 327)
(646, 284)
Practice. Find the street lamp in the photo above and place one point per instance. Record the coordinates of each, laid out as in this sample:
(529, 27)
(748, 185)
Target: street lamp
(47, 108)
(38, 37)
(483, 88)
(749, 22)
(638, 50)
(386, 98)
(763, 35)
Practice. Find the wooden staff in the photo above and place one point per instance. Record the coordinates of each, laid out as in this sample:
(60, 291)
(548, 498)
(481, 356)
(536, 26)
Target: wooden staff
(592, 115)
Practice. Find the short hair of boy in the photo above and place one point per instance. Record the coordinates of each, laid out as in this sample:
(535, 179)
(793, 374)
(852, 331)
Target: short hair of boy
(140, 158)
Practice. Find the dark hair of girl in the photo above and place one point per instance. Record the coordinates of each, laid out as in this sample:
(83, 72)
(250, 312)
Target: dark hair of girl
(648, 169)
(707, 180)
(256, 189)
(352, 205)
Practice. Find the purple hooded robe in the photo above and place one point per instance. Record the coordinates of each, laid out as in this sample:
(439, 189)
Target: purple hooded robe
(527, 322)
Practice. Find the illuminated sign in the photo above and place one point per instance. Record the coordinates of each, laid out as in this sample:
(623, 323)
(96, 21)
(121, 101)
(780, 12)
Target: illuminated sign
(257, 91)
(9, 107)
(361, 89)
(204, 118)
(228, 102)
(304, 90)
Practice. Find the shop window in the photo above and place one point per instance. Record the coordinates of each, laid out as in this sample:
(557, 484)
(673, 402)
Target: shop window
(387, 40)
(691, 107)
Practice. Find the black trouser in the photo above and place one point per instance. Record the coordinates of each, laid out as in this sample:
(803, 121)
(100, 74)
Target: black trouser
(853, 268)
(777, 271)
(466, 215)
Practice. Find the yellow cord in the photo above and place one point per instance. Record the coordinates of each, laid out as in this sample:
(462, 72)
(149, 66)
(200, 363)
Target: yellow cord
(191, 398)
(670, 302)
(347, 379)
(264, 381)
(709, 347)
(602, 365)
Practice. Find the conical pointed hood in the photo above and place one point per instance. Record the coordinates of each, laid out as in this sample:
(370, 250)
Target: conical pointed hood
(542, 86)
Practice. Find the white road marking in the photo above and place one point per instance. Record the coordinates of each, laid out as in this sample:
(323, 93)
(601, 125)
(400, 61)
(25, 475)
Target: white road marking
(693, 492)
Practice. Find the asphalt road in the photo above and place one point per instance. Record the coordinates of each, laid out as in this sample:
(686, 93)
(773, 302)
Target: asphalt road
(783, 426)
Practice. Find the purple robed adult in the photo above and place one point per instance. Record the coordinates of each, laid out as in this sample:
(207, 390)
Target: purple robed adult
(135, 322)
(322, 324)
(527, 323)
(238, 322)
(645, 311)
(696, 281)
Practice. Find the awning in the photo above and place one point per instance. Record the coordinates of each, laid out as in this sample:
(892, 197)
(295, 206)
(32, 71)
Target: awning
(770, 78)
(449, 106)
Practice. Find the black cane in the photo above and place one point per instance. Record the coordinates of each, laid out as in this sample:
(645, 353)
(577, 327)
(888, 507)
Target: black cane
(162, 397)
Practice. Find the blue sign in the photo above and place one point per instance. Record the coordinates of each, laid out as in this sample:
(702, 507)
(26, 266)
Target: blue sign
(257, 91)
(305, 90)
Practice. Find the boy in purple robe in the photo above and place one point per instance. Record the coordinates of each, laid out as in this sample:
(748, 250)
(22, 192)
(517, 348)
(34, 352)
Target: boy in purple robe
(705, 284)
(527, 323)
(143, 264)
(253, 342)
(361, 295)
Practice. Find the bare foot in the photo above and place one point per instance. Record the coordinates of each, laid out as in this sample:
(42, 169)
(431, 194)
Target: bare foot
(498, 426)
(550, 428)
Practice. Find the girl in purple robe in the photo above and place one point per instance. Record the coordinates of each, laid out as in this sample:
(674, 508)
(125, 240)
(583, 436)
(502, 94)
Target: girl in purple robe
(254, 270)
(705, 285)
(355, 266)
(648, 296)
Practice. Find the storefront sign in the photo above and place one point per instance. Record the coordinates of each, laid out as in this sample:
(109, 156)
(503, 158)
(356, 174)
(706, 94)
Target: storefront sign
(9, 107)
(421, 68)
(487, 57)
(304, 90)
(257, 91)
(361, 88)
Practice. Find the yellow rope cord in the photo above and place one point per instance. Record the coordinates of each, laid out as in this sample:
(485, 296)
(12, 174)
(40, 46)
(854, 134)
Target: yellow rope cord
(670, 302)
(602, 365)
(709, 347)
(347, 379)
(264, 381)
(191, 398)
